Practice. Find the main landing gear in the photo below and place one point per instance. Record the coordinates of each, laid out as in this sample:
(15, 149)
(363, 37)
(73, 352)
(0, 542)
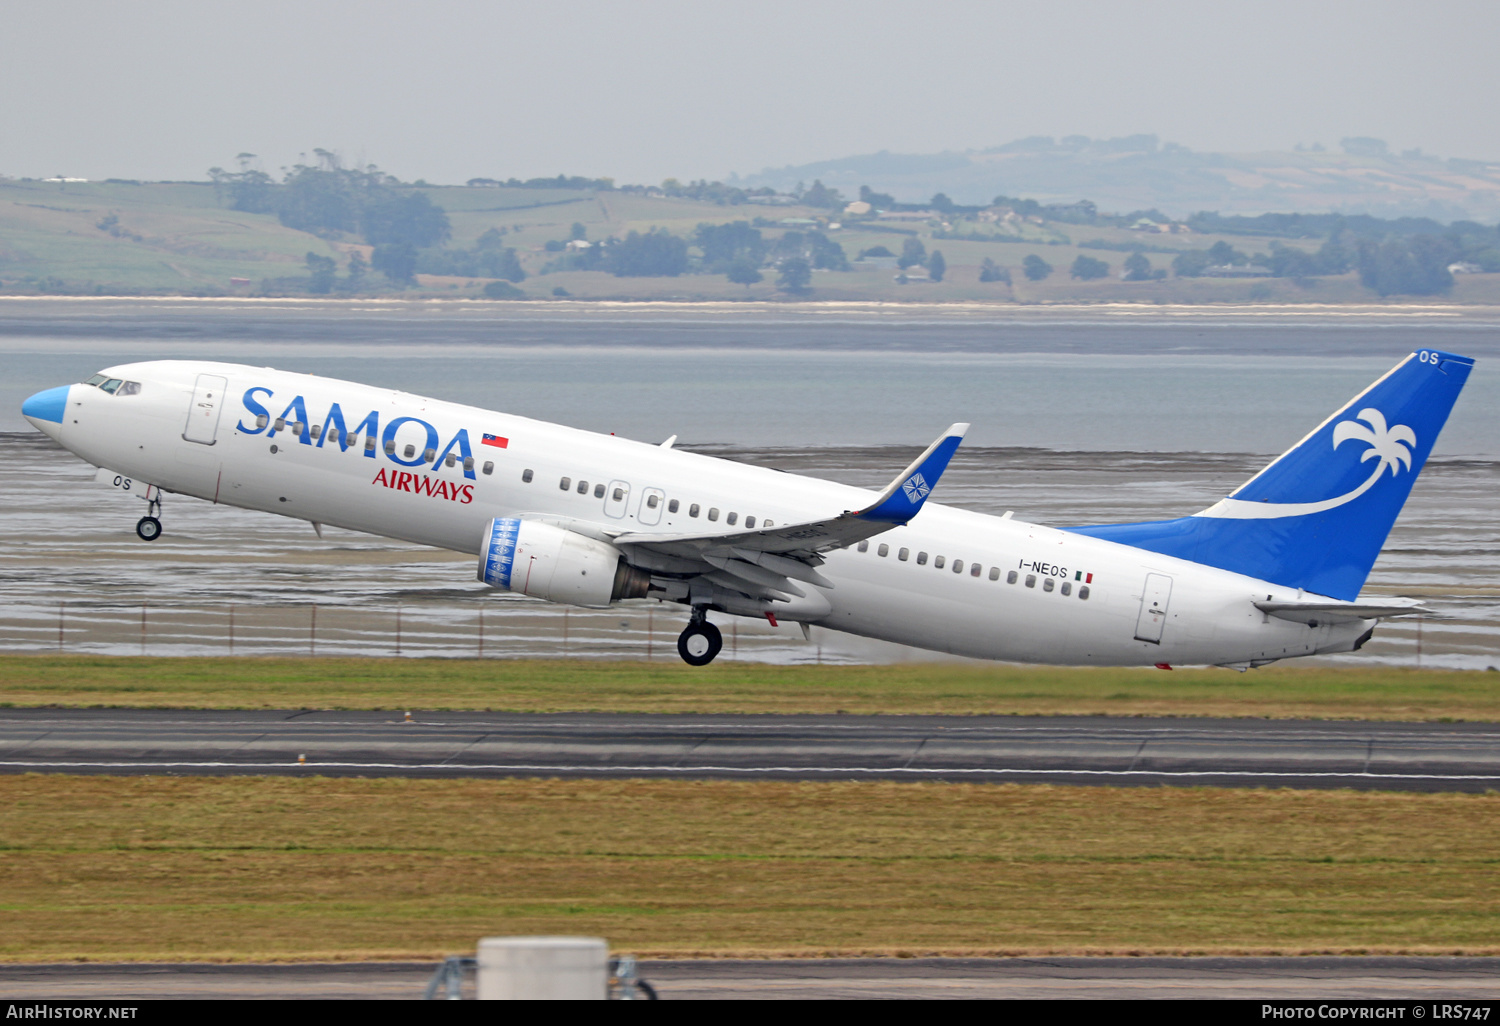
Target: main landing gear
(148, 528)
(700, 641)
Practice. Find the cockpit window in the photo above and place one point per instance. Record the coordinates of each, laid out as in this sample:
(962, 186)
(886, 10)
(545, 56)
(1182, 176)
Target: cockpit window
(96, 380)
(110, 385)
(129, 388)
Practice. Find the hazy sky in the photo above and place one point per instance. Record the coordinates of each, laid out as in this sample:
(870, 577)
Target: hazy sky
(452, 89)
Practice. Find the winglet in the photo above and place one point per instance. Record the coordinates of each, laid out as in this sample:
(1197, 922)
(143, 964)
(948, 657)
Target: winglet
(904, 497)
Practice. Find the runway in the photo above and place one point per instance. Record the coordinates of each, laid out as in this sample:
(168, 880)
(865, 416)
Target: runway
(1443, 979)
(998, 749)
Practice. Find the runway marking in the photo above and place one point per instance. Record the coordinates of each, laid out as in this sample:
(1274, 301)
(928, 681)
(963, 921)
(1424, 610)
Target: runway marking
(684, 770)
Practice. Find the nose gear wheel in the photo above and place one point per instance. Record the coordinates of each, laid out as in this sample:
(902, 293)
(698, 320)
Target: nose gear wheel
(148, 528)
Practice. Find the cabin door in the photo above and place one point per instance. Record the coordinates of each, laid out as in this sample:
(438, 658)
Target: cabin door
(1153, 616)
(203, 414)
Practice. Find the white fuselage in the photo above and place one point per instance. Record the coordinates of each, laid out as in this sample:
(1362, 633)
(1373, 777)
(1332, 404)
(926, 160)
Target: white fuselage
(930, 599)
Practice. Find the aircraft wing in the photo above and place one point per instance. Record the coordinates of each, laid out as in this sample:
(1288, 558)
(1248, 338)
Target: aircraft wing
(1321, 612)
(773, 558)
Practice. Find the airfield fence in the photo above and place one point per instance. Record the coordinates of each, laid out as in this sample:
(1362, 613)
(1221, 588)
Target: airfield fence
(639, 632)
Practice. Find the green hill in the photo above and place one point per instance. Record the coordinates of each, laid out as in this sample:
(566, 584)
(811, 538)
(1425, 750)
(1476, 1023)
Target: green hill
(185, 238)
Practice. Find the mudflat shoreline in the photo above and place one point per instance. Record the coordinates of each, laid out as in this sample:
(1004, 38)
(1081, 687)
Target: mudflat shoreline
(14, 305)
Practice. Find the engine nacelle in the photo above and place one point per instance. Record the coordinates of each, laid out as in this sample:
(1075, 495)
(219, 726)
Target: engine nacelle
(555, 564)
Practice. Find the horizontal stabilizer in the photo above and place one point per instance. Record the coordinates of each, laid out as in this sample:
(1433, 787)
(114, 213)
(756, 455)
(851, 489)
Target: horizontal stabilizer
(1317, 613)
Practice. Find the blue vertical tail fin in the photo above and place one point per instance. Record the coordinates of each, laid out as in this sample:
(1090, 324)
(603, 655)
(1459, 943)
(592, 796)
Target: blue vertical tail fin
(1316, 517)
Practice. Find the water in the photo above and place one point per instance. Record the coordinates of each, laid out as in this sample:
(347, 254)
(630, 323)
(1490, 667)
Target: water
(1073, 423)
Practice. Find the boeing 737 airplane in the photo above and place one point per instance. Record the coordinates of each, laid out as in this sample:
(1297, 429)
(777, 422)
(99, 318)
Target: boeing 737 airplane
(1273, 570)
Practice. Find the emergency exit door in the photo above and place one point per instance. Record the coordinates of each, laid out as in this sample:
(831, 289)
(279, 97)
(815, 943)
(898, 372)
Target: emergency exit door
(1154, 599)
(203, 414)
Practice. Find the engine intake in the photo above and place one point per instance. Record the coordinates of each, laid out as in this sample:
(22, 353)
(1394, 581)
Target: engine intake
(552, 563)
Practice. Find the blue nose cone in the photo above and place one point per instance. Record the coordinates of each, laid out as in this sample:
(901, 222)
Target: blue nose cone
(46, 407)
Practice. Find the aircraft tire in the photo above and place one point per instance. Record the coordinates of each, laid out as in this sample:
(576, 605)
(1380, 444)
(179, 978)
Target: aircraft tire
(148, 528)
(699, 643)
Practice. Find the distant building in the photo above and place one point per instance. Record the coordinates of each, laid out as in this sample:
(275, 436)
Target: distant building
(1463, 267)
(858, 207)
(799, 222)
(60, 178)
(1231, 271)
(577, 245)
(239, 281)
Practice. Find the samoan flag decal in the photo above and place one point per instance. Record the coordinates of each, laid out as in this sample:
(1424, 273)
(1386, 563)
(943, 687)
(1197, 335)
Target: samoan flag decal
(497, 441)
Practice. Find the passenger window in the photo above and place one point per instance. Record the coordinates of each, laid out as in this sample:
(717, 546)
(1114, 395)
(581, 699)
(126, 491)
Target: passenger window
(333, 434)
(619, 494)
(768, 523)
(489, 468)
(974, 570)
(316, 431)
(565, 483)
(921, 559)
(994, 573)
(749, 522)
(863, 546)
(281, 426)
(110, 385)
(469, 465)
(408, 452)
(713, 512)
(731, 518)
(672, 506)
(297, 427)
(1048, 584)
(583, 487)
(938, 561)
(652, 501)
(1031, 580)
(1067, 588)
(1011, 577)
(451, 460)
(526, 475)
(884, 550)
(598, 491)
(693, 510)
(958, 566)
(369, 443)
(1083, 591)
(429, 455)
(130, 388)
(262, 421)
(903, 554)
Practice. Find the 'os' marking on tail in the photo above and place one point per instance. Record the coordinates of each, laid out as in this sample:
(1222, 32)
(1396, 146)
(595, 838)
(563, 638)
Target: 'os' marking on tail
(1391, 446)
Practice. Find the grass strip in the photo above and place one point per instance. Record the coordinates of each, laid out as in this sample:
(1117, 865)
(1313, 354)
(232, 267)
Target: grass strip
(247, 868)
(572, 685)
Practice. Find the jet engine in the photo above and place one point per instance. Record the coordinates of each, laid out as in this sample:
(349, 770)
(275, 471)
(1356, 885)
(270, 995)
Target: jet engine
(552, 563)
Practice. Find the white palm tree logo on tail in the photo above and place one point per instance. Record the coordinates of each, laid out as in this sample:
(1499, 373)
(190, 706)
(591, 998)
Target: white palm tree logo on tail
(1391, 446)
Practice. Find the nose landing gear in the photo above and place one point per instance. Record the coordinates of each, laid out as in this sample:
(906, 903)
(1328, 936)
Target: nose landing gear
(700, 641)
(148, 528)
